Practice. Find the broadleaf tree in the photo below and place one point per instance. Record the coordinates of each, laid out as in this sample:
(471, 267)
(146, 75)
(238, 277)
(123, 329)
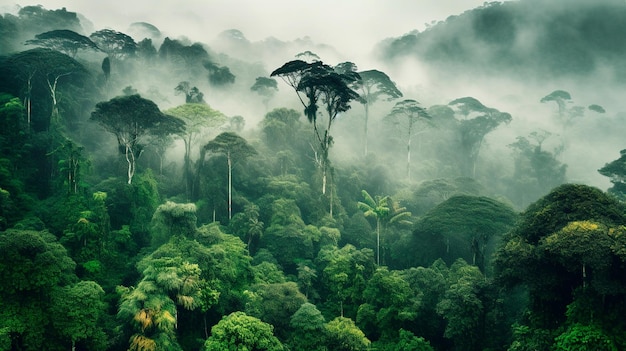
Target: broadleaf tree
(131, 118)
(319, 85)
(233, 147)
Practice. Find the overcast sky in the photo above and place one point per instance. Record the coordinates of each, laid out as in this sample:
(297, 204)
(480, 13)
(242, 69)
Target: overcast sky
(357, 23)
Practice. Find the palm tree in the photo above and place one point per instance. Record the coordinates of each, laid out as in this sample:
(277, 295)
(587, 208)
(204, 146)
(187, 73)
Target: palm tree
(386, 211)
(254, 226)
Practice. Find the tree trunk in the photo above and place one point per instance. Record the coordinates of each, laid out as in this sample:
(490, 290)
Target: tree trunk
(378, 241)
(408, 151)
(230, 187)
(131, 163)
(367, 112)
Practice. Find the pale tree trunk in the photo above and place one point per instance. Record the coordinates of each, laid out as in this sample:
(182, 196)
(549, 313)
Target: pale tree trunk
(324, 180)
(53, 95)
(331, 201)
(408, 151)
(367, 112)
(378, 241)
(131, 163)
(29, 103)
(230, 186)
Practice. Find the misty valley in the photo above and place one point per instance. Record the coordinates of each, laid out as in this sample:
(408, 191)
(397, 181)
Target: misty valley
(461, 188)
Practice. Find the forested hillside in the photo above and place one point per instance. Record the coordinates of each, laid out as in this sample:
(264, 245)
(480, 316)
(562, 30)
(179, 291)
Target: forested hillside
(163, 194)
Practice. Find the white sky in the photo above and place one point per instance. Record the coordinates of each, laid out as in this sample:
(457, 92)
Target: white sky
(358, 24)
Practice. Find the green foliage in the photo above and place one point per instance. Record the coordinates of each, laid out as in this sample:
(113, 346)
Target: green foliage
(131, 118)
(275, 304)
(240, 332)
(344, 275)
(462, 307)
(344, 335)
(616, 173)
(566, 251)
(287, 237)
(463, 226)
(308, 331)
(32, 262)
(389, 303)
(584, 337)
(170, 220)
(77, 311)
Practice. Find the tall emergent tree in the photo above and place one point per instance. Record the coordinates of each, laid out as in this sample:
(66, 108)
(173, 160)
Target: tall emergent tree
(116, 45)
(317, 83)
(405, 115)
(198, 118)
(266, 88)
(63, 40)
(477, 121)
(130, 118)
(232, 146)
(372, 85)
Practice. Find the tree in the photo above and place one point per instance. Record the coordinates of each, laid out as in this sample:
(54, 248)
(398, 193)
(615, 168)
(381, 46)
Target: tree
(218, 75)
(280, 128)
(567, 115)
(462, 226)
(474, 129)
(345, 273)
(233, 147)
(567, 250)
(116, 45)
(307, 324)
(253, 226)
(405, 115)
(385, 210)
(44, 79)
(266, 88)
(130, 118)
(275, 304)
(240, 332)
(389, 302)
(316, 83)
(77, 311)
(199, 118)
(372, 85)
(537, 170)
(561, 98)
(344, 335)
(63, 40)
(616, 172)
(193, 95)
(32, 265)
(172, 219)
(462, 307)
